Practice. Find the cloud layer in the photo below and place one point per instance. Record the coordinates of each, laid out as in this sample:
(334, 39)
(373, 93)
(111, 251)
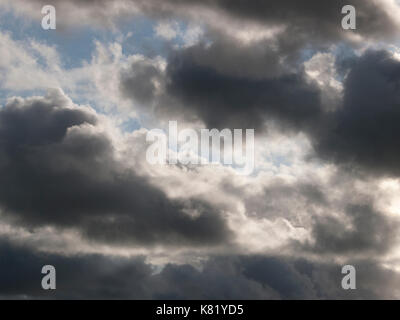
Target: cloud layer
(76, 190)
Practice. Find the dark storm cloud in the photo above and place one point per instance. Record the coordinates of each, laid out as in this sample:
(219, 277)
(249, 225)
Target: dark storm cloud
(274, 277)
(365, 132)
(367, 231)
(222, 277)
(222, 101)
(199, 91)
(227, 56)
(55, 174)
(78, 277)
(238, 102)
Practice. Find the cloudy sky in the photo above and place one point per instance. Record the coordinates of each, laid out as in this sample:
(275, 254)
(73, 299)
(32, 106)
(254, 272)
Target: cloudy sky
(76, 191)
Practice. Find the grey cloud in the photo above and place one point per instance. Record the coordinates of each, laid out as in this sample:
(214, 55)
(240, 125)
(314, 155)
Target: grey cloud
(53, 174)
(78, 277)
(289, 201)
(226, 84)
(227, 56)
(361, 134)
(239, 102)
(364, 132)
(221, 277)
(368, 231)
(310, 21)
(195, 90)
(346, 223)
(139, 82)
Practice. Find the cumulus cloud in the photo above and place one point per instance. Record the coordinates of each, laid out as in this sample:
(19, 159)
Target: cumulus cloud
(364, 131)
(68, 176)
(236, 102)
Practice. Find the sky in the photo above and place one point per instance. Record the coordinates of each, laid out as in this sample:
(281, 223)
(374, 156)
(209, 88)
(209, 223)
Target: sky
(76, 189)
